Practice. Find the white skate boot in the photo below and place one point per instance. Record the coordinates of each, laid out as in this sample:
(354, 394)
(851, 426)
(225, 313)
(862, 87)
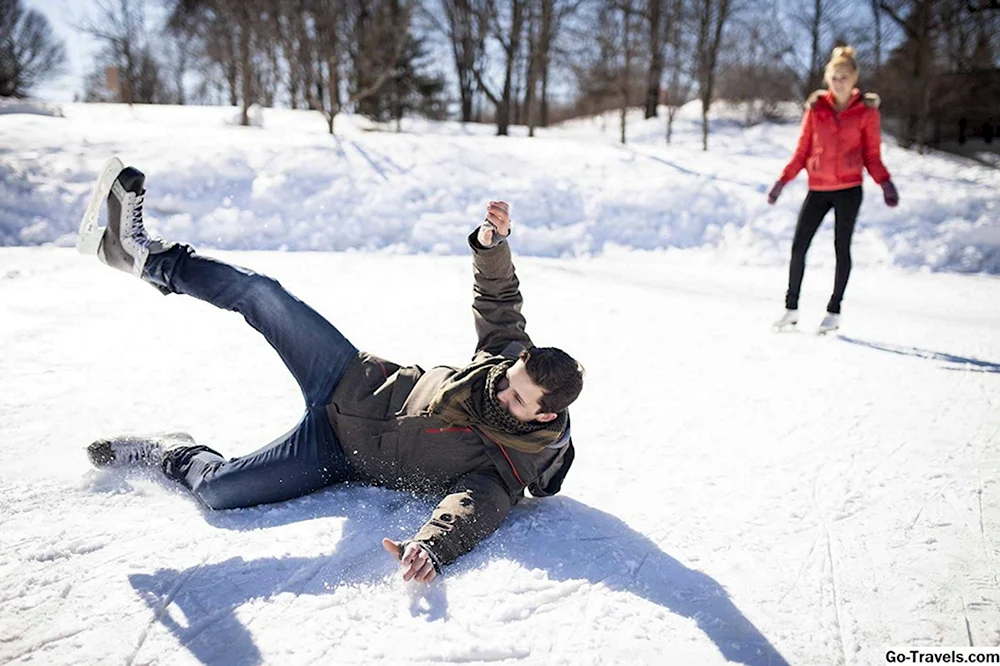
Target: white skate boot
(123, 243)
(135, 450)
(787, 321)
(831, 322)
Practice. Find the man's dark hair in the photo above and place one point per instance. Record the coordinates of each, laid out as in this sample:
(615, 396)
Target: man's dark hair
(557, 373)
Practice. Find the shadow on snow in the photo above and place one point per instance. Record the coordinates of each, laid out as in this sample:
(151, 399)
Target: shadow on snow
(566, 539)
(976, 364)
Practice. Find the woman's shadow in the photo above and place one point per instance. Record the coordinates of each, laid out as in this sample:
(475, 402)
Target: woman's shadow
(566, 539)
(948, 361)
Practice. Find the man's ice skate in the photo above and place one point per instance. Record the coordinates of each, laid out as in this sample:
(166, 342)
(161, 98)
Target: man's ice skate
(831, 322)
(135, 450)
(787, 321)
(123, 243)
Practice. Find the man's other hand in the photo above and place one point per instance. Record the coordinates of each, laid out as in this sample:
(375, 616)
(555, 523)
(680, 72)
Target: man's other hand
(497, 214)
(416, 562)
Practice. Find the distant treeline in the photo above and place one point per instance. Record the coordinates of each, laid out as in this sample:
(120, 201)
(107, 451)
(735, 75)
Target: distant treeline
(527, 62)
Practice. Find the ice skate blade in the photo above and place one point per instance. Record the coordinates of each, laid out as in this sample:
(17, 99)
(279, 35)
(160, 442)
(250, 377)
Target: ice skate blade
(91, 232)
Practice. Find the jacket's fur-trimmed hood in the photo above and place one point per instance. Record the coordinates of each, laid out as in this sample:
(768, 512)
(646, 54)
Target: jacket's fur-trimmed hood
(872, 100)
(814, 97)
(869, 99)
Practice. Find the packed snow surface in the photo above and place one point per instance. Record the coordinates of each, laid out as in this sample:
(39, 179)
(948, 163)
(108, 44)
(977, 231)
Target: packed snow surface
(739, 495)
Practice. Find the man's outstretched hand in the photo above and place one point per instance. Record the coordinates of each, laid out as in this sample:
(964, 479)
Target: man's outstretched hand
(498, 215)
(414, 559)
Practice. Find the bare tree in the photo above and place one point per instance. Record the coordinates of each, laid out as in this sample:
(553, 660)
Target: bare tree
(508, 33)
(28, 51)
(754, 73)
(359, 45)
(177, 58)
(554, 15)
(821, 23)
(919, 22)
(294, 43)
(243, 14)
(121, 27)
(329, 17)
(630, 22)
(678, 89)
(877, 47)
(711, 16)
(465, 24)
(655, 10)
(224, 29)
(534, 27)
(681, 76)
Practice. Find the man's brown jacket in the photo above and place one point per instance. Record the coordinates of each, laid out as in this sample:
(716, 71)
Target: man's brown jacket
(380, 415)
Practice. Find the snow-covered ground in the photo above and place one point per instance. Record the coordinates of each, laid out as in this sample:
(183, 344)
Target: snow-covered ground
(738, 495)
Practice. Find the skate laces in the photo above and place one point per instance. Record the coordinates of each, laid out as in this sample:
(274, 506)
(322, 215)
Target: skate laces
(138, 232)
(137, 451)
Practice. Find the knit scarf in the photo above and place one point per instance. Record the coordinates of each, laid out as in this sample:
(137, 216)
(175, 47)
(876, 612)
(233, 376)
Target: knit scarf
(470, 398)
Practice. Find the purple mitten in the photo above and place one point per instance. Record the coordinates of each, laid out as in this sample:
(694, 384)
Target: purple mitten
(890, 194)
(775, 191)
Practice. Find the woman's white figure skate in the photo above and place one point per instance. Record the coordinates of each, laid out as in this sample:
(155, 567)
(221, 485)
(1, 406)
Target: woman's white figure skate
(787, 321)
(831, 322)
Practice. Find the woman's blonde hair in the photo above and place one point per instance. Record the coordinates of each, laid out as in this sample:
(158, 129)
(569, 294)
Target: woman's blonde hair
(842, 55)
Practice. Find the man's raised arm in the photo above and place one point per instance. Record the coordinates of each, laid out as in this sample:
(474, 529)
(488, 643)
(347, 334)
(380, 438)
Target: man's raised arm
(497, 301)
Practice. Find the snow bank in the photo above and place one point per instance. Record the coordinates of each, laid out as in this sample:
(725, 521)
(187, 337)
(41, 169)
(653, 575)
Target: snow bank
(575, 190)
(10, 105)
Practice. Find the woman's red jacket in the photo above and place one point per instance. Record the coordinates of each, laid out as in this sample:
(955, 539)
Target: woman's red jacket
(834, 146)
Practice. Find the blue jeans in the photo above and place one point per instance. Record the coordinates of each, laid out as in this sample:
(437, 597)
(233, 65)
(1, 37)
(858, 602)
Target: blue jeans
(307, 458)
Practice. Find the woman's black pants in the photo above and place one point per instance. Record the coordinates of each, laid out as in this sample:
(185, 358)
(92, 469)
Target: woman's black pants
(845, 205)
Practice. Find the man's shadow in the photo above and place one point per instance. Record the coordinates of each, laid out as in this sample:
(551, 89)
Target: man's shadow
(566, 539)
(952, 361)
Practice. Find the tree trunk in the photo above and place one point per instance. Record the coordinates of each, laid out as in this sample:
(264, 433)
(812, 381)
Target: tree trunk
(461, 24)
(626, 74)
(704, 124)
(534, 45)
(711, 25)
(127, 80)
(543, 102)
(545, 57)
(246, 73)
(655, 57)
(182, 65)
(333, 85)
(514, 45)
(878, 42)
(466, 63)
(814, 58)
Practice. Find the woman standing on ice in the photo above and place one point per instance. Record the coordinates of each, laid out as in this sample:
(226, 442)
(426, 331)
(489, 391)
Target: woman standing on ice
(841, 132)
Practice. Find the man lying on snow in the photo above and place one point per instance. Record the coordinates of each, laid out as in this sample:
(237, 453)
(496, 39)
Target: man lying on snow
(479, 435)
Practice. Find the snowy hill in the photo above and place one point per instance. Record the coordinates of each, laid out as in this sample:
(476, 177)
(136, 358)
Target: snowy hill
(739, 496)
(289, 185)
